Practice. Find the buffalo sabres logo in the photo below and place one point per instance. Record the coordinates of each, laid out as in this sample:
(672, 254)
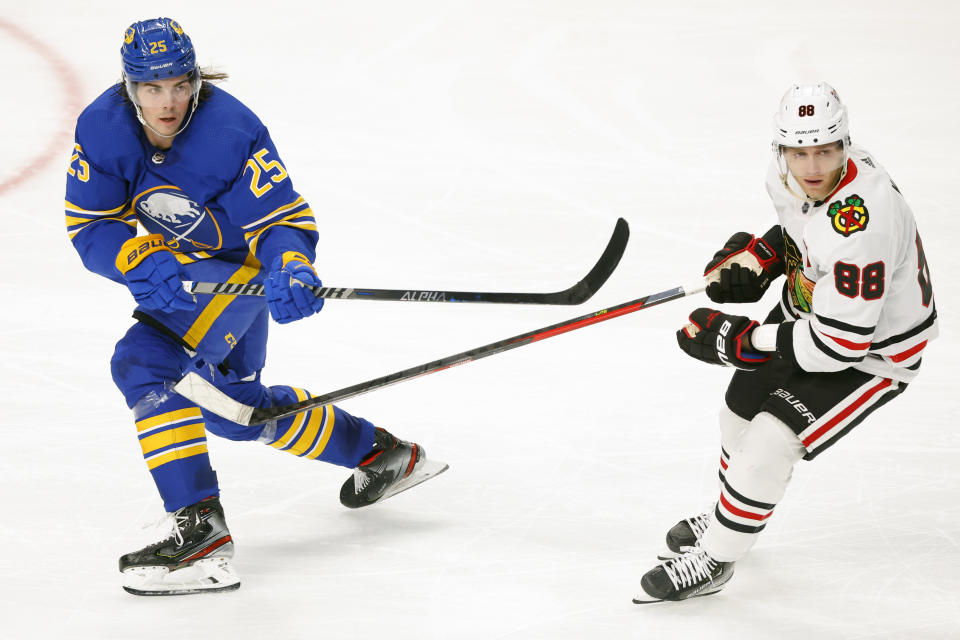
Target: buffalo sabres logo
(184, 224)
(176, 27)
(128, 36)
(849, 216)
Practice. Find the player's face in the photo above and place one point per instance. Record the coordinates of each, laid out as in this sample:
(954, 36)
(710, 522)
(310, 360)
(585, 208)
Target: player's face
(816, 169)
(164, 104)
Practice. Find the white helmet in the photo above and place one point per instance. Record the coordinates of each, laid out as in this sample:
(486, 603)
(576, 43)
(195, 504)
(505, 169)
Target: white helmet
(810, 115)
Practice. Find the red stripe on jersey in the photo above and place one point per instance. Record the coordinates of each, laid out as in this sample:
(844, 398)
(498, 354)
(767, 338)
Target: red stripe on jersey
(740, 512)
(909, 353)
(853, 346)
(843, 415)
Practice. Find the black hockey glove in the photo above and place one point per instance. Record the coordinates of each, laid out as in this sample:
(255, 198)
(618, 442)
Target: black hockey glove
(719, 338)
(742, 270)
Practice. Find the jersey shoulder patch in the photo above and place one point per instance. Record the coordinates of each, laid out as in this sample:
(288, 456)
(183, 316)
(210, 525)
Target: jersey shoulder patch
(848, 215)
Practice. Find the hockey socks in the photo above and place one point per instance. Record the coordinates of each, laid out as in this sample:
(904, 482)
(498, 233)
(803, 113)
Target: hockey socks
(327, 433)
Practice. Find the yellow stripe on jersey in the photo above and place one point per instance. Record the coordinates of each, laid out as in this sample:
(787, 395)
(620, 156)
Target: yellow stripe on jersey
(302, 219)
(198, 330)
(328, 425)
(165, 419)
(295, 426)
(172, 436)
(78, 219)
(69, 206)
(177, 454)
(276, 212)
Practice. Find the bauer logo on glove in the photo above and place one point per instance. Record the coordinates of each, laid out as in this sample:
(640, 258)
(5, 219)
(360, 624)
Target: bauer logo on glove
(719, 338)
(153, 275)
(136, 249)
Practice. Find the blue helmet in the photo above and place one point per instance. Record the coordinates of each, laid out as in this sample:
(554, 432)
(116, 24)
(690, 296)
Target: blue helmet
(156, 49)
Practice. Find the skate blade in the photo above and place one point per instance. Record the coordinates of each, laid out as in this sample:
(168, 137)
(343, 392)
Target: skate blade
(429, 469)
(209, 575)
(644, 598)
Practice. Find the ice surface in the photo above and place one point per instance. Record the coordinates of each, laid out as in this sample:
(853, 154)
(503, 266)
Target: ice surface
(486, 145)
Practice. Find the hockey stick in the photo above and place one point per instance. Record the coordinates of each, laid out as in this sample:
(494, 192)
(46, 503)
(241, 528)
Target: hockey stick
(207, 396)
(577, 294)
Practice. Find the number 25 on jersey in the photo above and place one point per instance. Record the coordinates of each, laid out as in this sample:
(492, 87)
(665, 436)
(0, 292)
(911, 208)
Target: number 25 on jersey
(268, 170)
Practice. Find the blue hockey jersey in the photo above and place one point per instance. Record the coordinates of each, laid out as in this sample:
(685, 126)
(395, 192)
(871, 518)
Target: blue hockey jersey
(220, 192)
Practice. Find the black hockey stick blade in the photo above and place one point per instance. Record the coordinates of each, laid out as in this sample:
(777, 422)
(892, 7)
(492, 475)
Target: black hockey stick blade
(206, 395)
(577, 294)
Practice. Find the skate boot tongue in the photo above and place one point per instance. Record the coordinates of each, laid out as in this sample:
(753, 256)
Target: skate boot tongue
(685, 533)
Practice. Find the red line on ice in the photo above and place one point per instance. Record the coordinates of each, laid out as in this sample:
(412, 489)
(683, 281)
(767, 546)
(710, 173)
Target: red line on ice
(57, 146)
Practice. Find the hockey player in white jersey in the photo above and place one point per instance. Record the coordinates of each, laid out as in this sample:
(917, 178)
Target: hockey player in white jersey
(854, 317)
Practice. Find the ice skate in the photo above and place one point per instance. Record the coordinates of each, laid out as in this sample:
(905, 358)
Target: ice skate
(392, 466)
(691, 574)
(686, 533)
(194, 559)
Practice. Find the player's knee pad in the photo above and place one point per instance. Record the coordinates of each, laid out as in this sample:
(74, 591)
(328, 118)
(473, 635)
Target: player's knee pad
(762, 460)
(145, 361)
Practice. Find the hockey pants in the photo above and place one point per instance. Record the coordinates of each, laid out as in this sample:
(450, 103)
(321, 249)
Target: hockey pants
(173, 431)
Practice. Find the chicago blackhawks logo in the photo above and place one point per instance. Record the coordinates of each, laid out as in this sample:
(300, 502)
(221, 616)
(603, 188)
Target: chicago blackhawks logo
(849, 216)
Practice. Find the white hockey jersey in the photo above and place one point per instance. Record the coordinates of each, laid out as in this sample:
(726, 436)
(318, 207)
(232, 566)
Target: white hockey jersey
(858, 284)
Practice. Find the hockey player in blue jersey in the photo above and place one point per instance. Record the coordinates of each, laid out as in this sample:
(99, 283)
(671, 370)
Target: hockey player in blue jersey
(168, 151)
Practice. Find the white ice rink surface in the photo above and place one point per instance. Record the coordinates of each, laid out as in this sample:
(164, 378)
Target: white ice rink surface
(486, 145)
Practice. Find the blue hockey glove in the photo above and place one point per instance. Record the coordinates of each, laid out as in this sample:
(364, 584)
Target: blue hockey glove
(719, 338)
(288, 295)
(153, 274)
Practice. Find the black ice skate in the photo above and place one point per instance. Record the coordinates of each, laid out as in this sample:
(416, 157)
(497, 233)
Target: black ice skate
(686, 533)
(392, 466)
(691, 574)
(194, 559)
